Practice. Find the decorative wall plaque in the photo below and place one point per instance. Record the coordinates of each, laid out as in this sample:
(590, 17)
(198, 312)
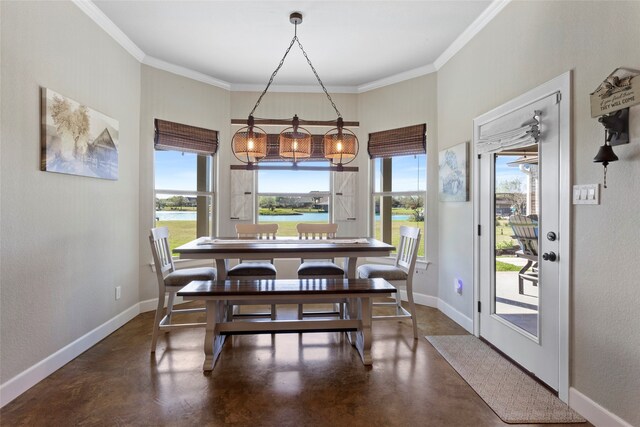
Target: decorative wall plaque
(621, 89)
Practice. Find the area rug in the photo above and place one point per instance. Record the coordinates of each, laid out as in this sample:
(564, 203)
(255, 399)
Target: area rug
(514, 396)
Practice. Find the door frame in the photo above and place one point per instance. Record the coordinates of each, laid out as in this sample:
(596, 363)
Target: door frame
(562, 86)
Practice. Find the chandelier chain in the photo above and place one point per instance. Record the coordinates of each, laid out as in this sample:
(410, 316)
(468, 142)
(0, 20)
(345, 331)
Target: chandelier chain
(273, 75)
(317, 76)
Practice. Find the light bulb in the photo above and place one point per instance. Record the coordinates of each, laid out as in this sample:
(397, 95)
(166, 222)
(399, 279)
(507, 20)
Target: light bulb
(339, 146)
(250, 144)
(295, 145)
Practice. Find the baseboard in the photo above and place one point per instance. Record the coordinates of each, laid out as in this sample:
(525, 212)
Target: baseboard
(456, 316)
(150, 304)
(422, 299)
(36, 373)
(593, 412)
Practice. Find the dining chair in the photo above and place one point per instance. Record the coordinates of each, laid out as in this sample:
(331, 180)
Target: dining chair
(255, 270)
(318, 269)
(171, 281)
(525, 231)
(400, 274)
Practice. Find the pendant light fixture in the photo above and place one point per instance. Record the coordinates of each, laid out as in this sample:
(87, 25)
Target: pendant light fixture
(249, 144)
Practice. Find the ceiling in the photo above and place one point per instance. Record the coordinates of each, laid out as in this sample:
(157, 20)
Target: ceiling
(352, 44)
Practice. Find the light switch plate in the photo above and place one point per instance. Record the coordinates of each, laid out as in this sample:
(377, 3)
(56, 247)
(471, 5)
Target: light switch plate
(588, 194)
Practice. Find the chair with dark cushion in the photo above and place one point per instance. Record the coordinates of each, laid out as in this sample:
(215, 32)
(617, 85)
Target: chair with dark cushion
(255, 270)
(318, 269)
(400, 274)
(171, 281)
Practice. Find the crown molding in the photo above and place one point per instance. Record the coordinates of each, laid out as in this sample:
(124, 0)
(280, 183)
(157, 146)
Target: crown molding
(292, 88)
(185, 72)
(397, 78)
(93, 12)
(472, 30)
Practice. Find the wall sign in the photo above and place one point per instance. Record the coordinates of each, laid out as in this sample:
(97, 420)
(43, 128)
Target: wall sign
(621, 89)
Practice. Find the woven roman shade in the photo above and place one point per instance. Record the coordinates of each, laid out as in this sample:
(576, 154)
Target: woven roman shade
(273, 154)
(398, 142)
(185, 138)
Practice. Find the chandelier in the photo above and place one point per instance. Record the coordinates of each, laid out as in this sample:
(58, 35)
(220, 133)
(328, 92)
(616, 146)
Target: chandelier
(295, 143)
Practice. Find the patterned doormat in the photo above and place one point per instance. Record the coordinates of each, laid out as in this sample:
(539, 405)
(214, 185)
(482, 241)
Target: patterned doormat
(514, 396)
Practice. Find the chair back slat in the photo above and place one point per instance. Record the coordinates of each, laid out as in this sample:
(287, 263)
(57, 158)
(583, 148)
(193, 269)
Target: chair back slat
(317, 231)
(256, 231)
(408, 249)
(162, 258)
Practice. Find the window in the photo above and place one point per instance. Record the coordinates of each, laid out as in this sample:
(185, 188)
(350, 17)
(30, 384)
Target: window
(184, 181)
(398, 196)
(289, 197)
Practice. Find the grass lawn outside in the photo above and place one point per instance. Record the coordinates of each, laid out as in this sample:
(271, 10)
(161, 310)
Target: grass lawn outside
(181, 232)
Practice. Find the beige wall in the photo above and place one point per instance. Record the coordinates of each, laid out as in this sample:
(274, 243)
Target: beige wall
(403, 104)
(67, 241)
(178, 99)
(527, 44)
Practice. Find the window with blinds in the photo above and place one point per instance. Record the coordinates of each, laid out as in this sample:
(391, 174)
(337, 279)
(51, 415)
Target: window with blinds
(398, 142)
(185, 138)
(399, 182)
(183, 180)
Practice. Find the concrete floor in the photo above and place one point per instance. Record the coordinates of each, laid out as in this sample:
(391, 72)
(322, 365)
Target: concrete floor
(314, 379)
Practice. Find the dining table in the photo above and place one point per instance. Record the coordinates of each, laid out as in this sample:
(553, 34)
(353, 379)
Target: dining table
(224, 249)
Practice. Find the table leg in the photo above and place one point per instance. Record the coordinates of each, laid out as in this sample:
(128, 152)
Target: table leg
(213, 341)
(221, 269)
(350, 265)
(351, 312)
(363, 336)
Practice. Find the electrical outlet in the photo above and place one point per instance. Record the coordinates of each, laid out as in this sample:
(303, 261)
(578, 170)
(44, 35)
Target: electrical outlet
(458, 285)
(118, 292)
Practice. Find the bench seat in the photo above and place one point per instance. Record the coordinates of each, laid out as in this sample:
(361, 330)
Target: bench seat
(220, 296)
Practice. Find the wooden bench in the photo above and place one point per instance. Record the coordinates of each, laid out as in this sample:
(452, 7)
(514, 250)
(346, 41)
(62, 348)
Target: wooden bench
(221, 296)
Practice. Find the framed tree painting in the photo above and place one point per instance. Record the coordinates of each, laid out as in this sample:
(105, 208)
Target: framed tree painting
(76, 139)
(453, 173)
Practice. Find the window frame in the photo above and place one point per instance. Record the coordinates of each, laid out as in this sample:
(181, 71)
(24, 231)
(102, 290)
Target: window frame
(258, 194)
(212, 161)
(374, 194)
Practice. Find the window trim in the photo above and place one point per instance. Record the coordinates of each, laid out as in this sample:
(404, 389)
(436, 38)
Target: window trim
(373, 194)
(212, 193)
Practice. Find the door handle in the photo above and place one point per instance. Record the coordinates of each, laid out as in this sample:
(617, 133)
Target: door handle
(549, 256)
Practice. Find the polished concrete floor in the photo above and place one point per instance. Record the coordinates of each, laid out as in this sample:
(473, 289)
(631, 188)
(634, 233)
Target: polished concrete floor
(313, 379)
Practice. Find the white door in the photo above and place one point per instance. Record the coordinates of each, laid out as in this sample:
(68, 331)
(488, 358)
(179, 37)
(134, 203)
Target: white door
(521, 303)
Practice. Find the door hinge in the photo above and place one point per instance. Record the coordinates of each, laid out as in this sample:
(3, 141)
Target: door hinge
(479, 230)
(479, 307)
(479, 156)
(558, 97)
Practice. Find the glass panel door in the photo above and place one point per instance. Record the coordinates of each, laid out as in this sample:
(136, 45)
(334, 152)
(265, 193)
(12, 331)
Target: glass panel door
(516, 238)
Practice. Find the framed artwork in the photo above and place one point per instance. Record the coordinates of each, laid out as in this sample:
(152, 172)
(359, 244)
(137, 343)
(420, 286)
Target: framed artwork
(76, 139)
(453, 173)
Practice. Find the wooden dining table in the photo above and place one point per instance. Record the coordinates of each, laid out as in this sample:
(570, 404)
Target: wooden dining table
(223, 249)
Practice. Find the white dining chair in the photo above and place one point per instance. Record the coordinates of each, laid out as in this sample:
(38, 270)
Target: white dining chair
(318, 269)
(400, 274)
(255, 270)
(171, 281)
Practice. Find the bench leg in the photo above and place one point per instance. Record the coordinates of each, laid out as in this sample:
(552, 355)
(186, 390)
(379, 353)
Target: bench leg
(351, 312)
(363, 336)
(213, 341)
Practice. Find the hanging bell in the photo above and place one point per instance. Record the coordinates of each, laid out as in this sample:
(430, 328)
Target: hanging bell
(605, 156)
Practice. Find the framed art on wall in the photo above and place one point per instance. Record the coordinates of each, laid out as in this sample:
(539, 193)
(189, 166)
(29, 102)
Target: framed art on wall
(76, 139)
(453, 173)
